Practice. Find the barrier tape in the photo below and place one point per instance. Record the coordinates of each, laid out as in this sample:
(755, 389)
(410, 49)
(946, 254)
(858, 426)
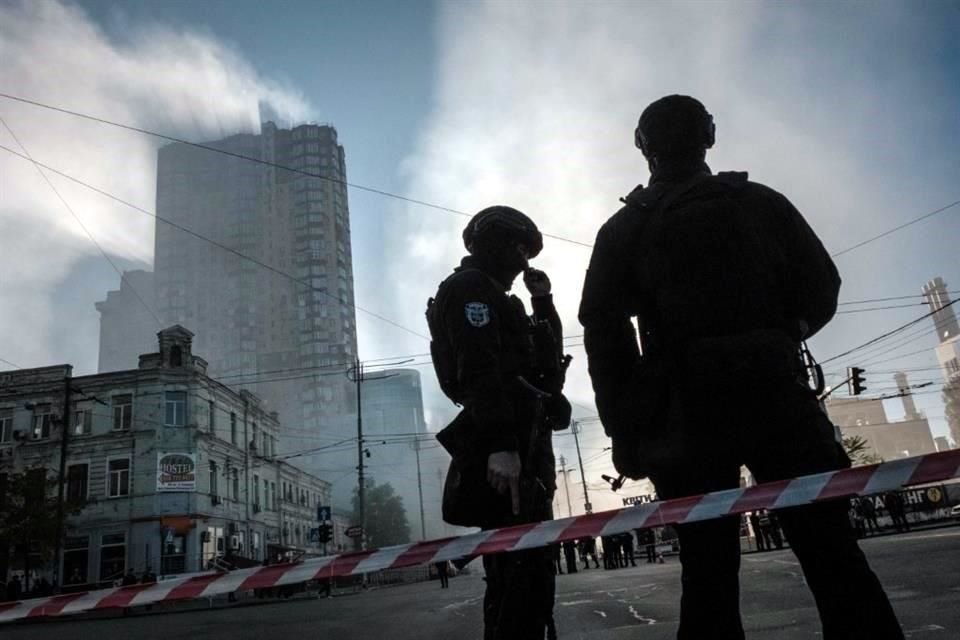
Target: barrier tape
(800, 491)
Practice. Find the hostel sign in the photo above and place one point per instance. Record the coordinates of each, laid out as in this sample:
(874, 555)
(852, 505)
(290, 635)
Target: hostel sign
(176, 471)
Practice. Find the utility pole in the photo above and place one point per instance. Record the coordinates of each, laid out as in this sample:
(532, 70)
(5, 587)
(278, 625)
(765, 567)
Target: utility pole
(423, 525)
(357, 373)
(566, 485)
(587, 507)
(64, 435)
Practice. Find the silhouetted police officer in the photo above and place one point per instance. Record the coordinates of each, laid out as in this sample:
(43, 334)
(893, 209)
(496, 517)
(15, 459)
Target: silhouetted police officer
(506, 370)
(724, 278)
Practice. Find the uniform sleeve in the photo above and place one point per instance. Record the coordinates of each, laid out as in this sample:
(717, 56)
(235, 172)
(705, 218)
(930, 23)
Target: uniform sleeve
(473, 329)
(812, 279)
(544, 310)
(609, 335)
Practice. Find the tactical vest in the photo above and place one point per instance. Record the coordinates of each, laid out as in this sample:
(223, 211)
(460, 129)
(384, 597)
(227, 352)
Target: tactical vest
(518, 355)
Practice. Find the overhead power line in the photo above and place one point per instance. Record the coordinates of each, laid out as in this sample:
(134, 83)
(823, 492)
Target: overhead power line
(267, 163)
(884, 308)
(76, 217)
(383, 192)
(897, 228)
(888, 299)
(889, 333)
(280, 272)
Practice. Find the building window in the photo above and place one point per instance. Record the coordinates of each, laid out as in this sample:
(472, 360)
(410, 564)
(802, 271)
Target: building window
(266, 493)
(233, 428)
(214, 488)
(173, 557)
(256, 492)
(118, 476)
(176, 356)
(42, 419)
(113, 556)
(6, 425)
(82, 422)
(122, 412)
(175, 414)
(253, 441)
(236, 484)
(211, 416)
(75, 557)
(77, 483)
(273, 494)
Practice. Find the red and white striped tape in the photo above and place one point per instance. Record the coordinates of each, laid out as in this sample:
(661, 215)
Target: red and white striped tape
(772, 495)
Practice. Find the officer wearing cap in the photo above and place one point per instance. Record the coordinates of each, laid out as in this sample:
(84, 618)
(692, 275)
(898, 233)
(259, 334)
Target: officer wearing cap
(506, 370)
(724, 279)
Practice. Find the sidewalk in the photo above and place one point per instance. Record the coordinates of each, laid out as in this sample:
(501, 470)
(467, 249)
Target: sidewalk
(747, 548)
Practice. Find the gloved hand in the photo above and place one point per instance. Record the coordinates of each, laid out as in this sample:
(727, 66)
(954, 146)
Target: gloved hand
(537, 282)
(559, 412)
(627, 458)
(503, 474)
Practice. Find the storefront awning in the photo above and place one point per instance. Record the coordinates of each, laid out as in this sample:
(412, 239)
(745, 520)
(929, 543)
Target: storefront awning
(181, 525)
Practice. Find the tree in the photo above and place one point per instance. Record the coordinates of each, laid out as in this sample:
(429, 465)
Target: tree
(28, 516)
(859, 451)
(386, 517)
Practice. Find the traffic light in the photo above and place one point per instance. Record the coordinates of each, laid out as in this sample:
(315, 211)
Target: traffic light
(325, 532)
(855, 380)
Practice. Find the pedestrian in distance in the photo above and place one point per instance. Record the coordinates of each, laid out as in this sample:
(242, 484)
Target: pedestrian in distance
(444, 574)
(589, 552)
(557, 550)
(506, 369)
(869, 512)
(855, 513)
(626, 543)
(757, 531)
(647, 539)
(725, 279)
(895, 507)
(570, 554)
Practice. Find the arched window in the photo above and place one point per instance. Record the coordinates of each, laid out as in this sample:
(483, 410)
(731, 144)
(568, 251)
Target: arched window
(176, 356)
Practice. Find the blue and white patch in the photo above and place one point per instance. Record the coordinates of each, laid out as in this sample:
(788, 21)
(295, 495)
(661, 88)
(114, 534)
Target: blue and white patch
(478, 313)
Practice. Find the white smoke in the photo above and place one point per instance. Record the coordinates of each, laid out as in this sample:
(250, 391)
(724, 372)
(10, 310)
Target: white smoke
(179, 82)
(536, 104)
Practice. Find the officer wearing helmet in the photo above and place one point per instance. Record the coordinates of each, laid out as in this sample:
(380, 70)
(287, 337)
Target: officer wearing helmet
(724, 279)
(506, 369)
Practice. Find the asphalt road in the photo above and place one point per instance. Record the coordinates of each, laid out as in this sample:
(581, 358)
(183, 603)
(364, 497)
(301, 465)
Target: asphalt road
(921, 572)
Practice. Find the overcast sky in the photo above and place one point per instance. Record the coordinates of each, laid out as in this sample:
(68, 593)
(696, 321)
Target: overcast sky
(849, 109)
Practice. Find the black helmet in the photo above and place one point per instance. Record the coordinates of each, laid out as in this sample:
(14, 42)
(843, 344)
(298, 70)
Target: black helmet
(497, 225)
(674, 124)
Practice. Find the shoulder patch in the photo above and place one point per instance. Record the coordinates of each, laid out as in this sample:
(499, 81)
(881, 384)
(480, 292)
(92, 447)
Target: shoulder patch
(478, 313)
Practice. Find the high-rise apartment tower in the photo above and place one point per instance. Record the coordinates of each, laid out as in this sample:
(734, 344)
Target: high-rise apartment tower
(275, 334)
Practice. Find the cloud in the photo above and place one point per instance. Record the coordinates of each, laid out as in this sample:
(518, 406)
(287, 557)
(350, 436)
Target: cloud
(535, 106)
(185, 83)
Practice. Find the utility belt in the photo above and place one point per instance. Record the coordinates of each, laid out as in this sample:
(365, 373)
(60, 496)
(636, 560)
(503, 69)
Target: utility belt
(721, 364)
(468, 498)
